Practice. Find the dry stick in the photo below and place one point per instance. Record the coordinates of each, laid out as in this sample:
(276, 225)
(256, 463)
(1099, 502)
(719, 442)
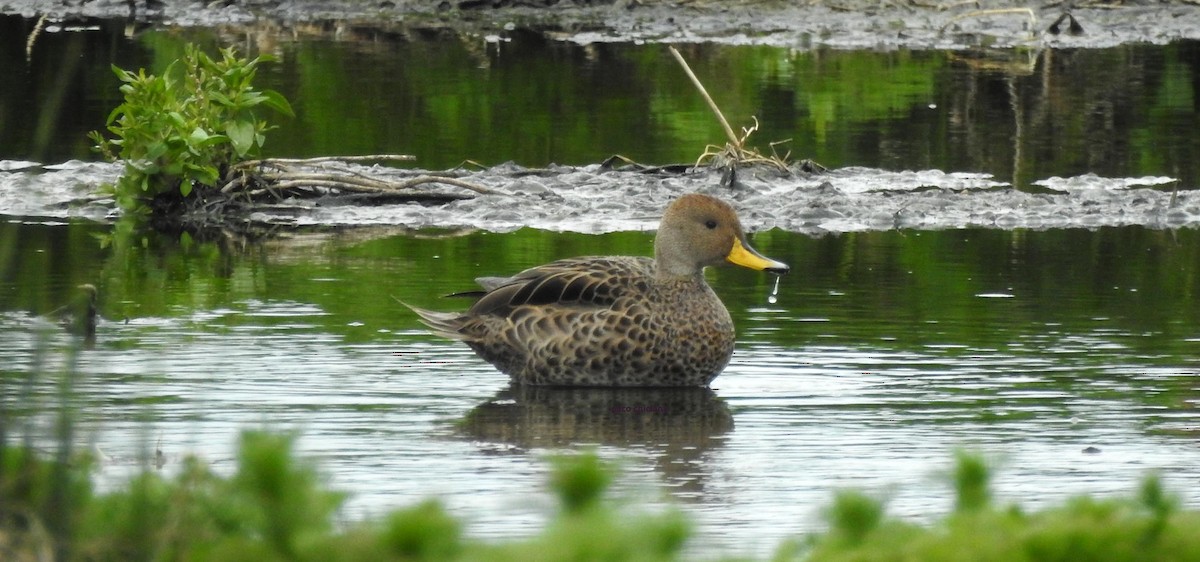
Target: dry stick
(33, 35)
(711, 104)
(282, 163)
(999, 11)
(367, 185)
(350, 181)
(450, 181)
(333, 184)
(363, 158)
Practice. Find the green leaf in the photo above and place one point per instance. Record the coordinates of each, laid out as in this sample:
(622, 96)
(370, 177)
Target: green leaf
(250, 99)
(117, 111)
(220, 98)
(156, 150)
(276, 101)
(185, 188)
(139, 166)
(198, 136)
(241, 135)
(122, 74)
(206, 175)
(213, 140)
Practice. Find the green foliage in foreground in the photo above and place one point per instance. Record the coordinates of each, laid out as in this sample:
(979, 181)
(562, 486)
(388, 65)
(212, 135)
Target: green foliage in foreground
(183, 128)
(275, 508)
(1150, 527)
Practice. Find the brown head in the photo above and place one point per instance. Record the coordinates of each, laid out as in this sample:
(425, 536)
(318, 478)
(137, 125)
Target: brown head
(698, 231)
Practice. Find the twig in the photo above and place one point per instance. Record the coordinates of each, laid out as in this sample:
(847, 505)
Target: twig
(450, 181)
(711, 104)
(33, 35)
(368, 185)
(336, 185)
(277, 173)
(363, 158)
(233, 184)
(996, 12)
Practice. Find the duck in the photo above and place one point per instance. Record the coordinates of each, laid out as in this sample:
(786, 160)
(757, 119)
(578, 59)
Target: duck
(79, 316)
(614, 321)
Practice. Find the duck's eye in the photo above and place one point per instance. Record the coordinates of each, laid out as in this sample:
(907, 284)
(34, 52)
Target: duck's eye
(711, 224)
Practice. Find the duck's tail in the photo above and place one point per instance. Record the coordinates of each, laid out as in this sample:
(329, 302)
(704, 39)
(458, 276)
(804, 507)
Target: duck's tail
(444, 324)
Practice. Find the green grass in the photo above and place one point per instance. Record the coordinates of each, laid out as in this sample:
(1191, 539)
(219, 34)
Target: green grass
(275, 507)
(1148, 527)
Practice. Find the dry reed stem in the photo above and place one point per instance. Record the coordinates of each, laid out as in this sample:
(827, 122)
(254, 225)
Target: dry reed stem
(703, 92)
(735, 150)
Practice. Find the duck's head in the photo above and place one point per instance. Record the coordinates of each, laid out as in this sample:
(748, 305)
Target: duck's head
(89, 291)
(698, 231)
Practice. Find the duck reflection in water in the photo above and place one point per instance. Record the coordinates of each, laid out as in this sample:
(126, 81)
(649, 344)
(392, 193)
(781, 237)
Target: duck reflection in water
(678, 426)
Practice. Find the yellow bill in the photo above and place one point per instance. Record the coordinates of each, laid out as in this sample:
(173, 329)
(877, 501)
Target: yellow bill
(745, 256)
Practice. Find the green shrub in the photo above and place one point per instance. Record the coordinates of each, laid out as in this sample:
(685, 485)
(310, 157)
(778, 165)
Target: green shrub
(275, 507)
(580, 481)
(422, 532)
(183, 129)
(1149, 526)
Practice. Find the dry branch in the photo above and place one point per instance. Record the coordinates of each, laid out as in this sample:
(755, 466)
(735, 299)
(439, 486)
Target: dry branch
(323, 159)
(277, 175)
(735, 151)
(995, 12)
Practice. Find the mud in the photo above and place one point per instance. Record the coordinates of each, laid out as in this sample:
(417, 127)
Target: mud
(843, 24)
(591, 199)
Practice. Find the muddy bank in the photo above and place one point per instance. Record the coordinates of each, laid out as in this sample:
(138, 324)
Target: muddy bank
(843, 24)
(592, 200)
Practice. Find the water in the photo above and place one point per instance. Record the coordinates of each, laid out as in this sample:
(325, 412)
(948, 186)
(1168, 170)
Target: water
(1020, 116)
(881, 353)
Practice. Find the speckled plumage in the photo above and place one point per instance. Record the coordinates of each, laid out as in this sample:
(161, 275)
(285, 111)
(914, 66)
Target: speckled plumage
(615, 320)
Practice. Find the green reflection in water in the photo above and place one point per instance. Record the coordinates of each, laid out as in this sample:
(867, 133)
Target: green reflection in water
(980, 286)
(1109, 313)
(1019, 115)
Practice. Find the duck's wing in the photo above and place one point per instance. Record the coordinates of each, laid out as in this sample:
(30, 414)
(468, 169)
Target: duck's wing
(587, 281)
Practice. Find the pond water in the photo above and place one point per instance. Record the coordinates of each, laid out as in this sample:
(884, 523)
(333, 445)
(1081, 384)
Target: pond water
(1069, 356)
(883, 354)
(1020, 115)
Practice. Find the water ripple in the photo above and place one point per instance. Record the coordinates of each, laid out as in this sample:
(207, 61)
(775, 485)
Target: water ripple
(784, 427)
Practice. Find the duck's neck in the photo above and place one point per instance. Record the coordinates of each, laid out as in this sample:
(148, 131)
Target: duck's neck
(666, 271)
(670, 263)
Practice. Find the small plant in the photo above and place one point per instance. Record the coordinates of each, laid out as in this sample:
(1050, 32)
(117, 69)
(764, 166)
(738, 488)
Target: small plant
(580, 481)
(184, 128)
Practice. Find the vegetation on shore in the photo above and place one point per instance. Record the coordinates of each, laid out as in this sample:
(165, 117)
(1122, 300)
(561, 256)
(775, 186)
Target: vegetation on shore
(184, 129)
(275, 507)
(189, 137)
